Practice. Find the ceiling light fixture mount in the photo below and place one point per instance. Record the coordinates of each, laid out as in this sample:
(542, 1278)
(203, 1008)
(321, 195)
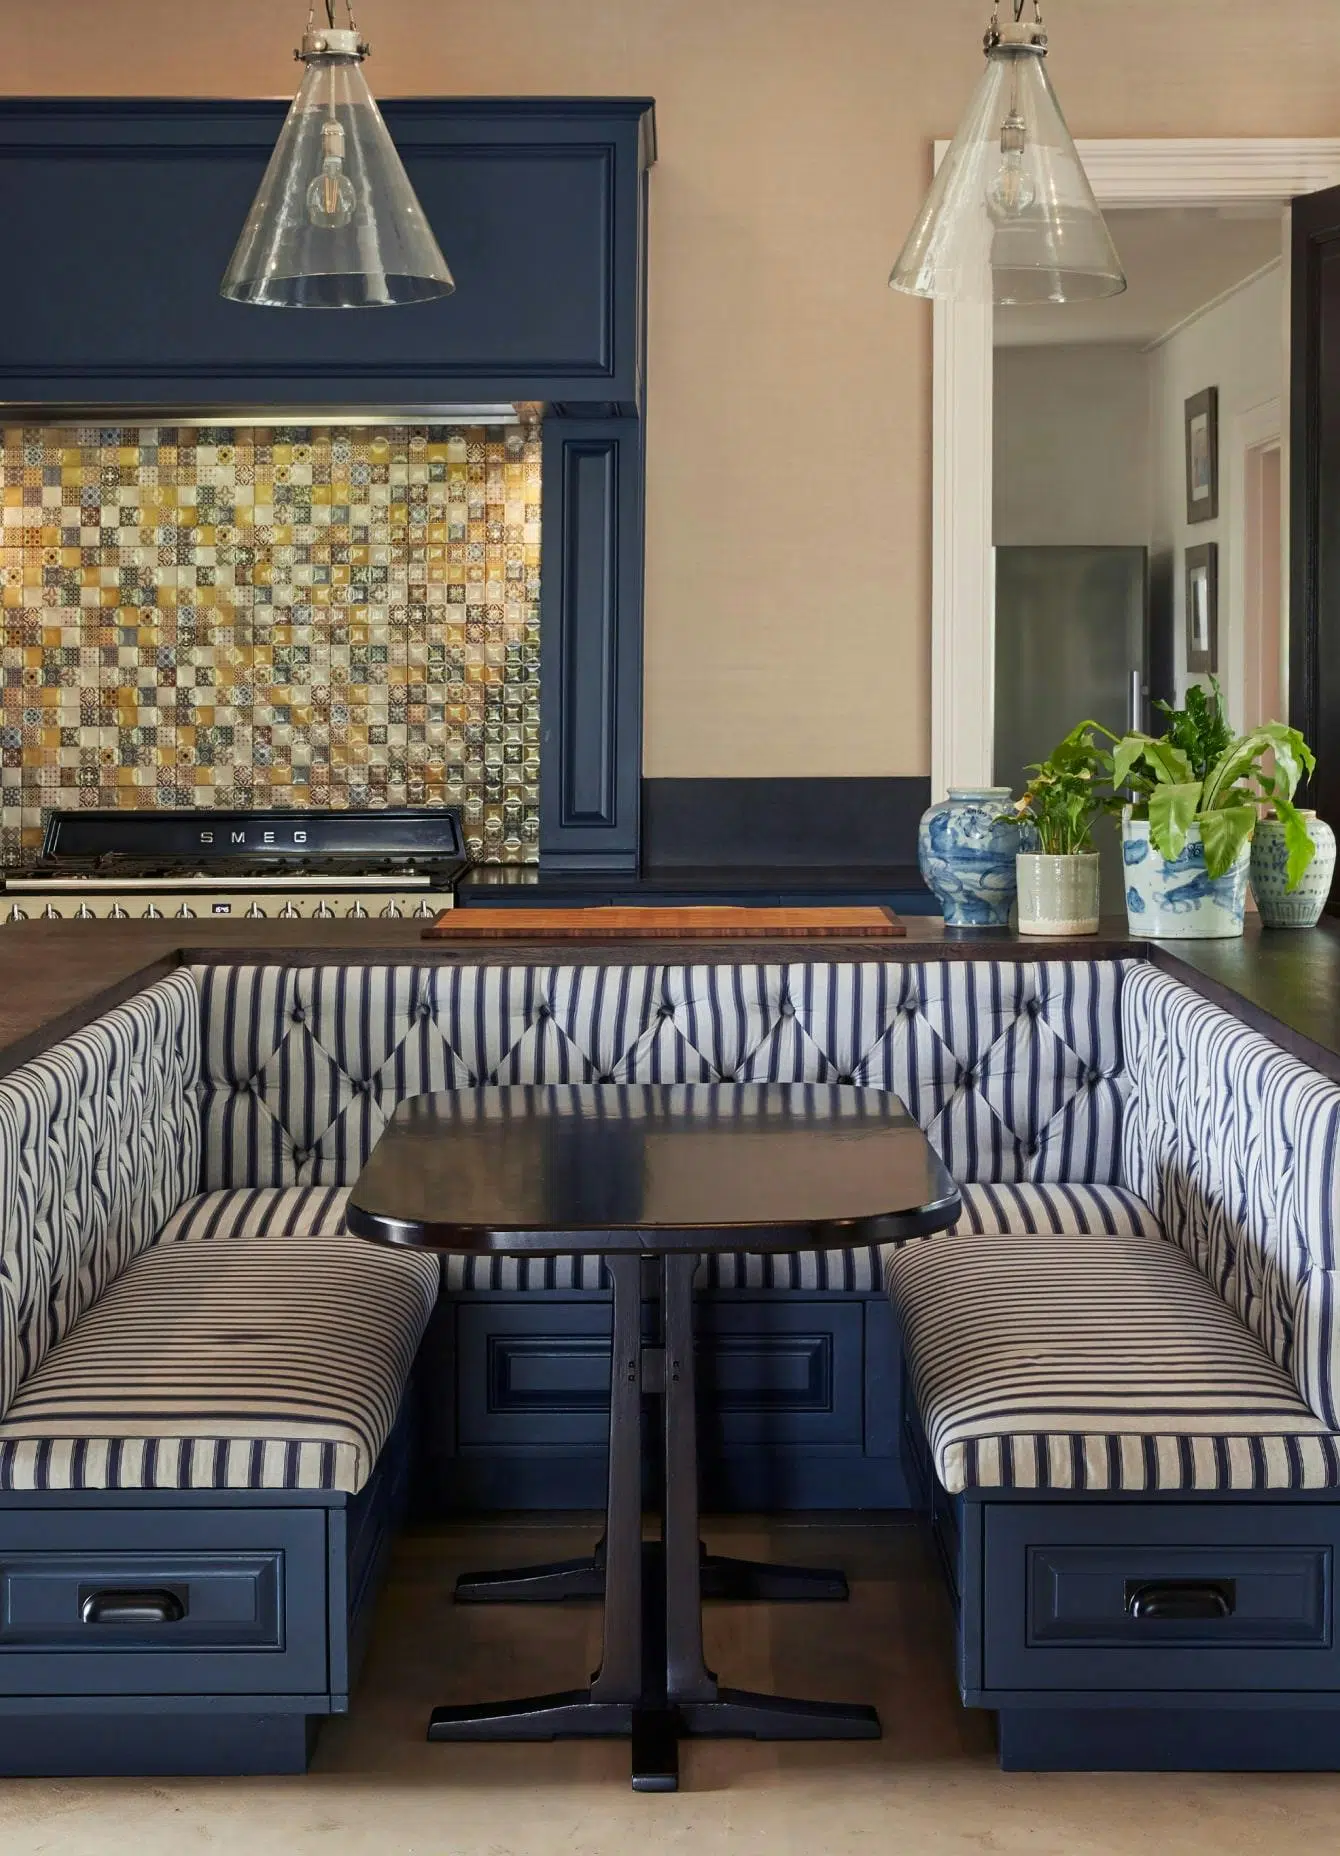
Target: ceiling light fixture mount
(1010, 216)
(336, 223)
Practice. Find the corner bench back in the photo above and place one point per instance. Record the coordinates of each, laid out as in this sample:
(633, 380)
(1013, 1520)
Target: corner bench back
(1014, 1068)
(1236, 1146)
(99, 1145)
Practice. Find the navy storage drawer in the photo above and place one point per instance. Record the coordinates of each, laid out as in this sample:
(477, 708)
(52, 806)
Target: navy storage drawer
(162, 1602)
(1107, 1595)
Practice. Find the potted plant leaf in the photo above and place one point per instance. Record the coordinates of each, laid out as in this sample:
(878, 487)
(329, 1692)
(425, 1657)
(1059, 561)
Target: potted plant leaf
(1058, 868)
(1196, 795)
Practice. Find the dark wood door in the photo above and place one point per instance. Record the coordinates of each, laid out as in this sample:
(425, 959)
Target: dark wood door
(1314, 579)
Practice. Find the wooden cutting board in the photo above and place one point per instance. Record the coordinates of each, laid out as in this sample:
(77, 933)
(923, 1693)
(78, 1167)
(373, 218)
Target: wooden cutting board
(657, 924)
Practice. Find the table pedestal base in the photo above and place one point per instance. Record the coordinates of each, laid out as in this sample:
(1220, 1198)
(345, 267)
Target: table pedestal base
(653, 1686)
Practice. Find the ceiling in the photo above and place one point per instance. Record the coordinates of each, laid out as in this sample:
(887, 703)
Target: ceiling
(1178, 260)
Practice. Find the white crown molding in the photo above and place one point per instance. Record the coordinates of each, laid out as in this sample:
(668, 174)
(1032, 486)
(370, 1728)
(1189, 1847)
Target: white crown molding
(1189, 171)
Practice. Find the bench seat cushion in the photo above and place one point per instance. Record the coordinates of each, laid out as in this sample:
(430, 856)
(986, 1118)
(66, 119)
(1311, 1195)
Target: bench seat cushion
(298, 1211)
(258, 1365)
(1096, 1362)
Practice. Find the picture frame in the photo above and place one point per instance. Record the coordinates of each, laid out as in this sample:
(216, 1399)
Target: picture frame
(1202, 456)
(1202, 608)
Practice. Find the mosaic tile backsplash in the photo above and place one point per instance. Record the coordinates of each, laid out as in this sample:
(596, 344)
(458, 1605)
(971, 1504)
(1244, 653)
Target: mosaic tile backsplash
(266, 616)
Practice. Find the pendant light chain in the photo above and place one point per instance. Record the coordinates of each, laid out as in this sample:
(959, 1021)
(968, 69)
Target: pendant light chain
(330, 15)
(993, 37)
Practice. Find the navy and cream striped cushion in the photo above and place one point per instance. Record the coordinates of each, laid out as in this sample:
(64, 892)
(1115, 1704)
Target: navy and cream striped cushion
(1237, 1148)
(99, 1143)
(302, 1211)
(1014, 1068)
(263, 1365)
(1095, 1362)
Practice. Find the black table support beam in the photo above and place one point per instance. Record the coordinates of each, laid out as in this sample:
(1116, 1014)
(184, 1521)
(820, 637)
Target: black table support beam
(653, 1685)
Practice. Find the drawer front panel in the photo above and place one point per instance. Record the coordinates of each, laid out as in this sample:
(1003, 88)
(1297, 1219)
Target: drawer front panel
(162, 1601)
(1148, 1596)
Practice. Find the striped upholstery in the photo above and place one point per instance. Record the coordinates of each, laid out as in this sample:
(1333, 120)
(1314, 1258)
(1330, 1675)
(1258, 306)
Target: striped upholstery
(99, 1143)
(302, 1211)
(1015, 1069)
(1236, 1146)
(1095, 1362)
(265, 1365)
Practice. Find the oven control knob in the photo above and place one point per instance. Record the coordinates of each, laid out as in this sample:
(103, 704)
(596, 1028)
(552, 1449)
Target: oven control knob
(392, 912)
(51, 913)
(357, 913)
(117, 914)
(84, 914)
(16, 914)
(152, 914)
(255, 913)
(323, 912)
(289, 913)
(425, 912)
(185, 913)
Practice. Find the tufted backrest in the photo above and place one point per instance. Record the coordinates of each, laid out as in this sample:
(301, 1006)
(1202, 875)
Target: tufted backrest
(99, 1144)
(1234, 1145)
(1015, 1068)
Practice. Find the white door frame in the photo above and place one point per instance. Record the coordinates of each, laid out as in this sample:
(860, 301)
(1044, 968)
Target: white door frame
(1149, 173)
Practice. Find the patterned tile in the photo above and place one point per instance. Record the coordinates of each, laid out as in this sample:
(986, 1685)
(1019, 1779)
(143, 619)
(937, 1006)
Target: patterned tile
(262, 616)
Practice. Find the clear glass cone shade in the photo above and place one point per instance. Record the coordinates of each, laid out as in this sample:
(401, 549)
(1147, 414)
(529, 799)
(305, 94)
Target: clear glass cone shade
(336, 224)
(1012, 224)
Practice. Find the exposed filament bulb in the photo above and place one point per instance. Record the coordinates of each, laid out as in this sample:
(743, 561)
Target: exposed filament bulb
(1011, 192)
(331, 198)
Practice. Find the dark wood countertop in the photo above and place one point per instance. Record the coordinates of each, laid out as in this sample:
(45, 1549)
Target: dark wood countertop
(57, 976)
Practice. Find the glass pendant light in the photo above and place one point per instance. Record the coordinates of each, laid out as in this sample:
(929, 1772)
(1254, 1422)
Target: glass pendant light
(1011, 217)
(336, 224)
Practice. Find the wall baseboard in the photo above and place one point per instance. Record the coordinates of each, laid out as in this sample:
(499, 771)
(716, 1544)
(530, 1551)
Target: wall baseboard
(842, 824)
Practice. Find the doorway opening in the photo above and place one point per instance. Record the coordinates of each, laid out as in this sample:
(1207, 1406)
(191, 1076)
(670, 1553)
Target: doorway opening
(1247, 179)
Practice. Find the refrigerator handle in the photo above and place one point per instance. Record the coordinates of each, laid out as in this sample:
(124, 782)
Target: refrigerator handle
(1137, 702)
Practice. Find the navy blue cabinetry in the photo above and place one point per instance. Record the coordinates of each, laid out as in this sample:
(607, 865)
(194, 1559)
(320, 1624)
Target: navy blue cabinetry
(121, 217)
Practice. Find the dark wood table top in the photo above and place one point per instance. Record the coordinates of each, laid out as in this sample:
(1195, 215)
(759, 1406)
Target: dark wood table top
(542, 1170)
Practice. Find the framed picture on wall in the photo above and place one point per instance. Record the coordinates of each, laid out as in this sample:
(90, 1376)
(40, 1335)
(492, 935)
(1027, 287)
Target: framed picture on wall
(1202, 456)
(1202, 608)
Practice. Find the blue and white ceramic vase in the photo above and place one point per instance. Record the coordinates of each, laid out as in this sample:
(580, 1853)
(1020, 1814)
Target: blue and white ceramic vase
(1279, 906)
(966, 851)
(1176, 898)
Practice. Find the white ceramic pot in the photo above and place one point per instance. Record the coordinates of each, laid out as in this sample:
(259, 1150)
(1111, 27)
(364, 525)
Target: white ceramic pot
(1177, 899)
(1058, 895)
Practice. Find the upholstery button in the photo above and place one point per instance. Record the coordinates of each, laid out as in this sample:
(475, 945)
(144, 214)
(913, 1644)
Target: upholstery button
(970, 1079)
(788, 1010)
(298, 1015)
(910, 1009)
(605, 1079)
(542, 1011)
(845, 1078)
(666, 1011)
(425, 1011)
(300, 1156)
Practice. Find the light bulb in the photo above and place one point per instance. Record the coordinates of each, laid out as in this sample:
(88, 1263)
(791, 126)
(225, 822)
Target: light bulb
(1011, 192)
(331, 198)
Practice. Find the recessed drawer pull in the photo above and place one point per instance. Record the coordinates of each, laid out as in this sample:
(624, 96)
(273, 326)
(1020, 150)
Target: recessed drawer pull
(1181, 1598)
(120, 1607)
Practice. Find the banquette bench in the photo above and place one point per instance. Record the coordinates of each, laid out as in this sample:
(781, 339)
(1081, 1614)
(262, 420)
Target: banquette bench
(1114, 1389)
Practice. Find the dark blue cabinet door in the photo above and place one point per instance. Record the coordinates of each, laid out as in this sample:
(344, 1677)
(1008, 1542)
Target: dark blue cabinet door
(120, 218)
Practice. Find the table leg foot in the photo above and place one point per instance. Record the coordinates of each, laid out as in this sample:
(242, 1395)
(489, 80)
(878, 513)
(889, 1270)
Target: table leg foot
(655, 1750)
(570, 1715)
(735, 1713)
(746, 1581)
(533, 1585)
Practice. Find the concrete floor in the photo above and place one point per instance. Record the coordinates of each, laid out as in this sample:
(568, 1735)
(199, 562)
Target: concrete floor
(929, 1788)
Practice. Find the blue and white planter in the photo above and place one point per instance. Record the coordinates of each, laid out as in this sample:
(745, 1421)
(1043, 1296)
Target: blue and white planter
(1280, 906)
(1177, 899)
(966, 852)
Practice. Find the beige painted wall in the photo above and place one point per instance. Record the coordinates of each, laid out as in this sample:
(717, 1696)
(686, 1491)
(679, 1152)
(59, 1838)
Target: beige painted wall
(789, 473)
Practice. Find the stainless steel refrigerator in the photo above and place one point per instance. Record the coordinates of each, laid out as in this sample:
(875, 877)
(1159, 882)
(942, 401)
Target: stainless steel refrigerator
(1072, 642)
